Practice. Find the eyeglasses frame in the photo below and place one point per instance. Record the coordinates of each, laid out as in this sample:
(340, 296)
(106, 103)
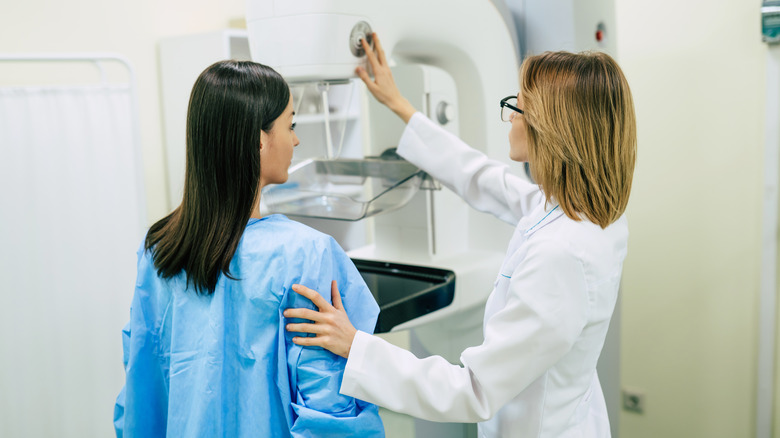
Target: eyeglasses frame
(510, 106)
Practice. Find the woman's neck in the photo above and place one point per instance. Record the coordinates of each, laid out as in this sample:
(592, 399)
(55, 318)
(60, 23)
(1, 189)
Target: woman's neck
(256, 209)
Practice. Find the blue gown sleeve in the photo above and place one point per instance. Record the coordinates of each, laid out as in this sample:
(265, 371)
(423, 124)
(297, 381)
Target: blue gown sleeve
(119, 407)
(315, 374)
(141, 407)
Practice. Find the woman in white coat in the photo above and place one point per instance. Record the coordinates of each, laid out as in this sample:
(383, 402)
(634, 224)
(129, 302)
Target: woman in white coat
(545, 322)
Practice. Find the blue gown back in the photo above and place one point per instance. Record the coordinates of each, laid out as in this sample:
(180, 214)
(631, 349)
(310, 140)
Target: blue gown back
(223, 364)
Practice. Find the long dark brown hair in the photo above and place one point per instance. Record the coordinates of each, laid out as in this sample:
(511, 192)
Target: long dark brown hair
(231, 102)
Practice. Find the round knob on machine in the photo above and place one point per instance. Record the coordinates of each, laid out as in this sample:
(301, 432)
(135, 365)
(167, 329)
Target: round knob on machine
(360, 31)
(445, 112)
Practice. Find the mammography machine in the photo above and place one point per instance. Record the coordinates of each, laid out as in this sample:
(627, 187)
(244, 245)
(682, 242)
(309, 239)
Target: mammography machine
(430, 260)
(454, 70)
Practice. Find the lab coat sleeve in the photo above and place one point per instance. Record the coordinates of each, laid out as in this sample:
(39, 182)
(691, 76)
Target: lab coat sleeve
(320, 411)
(485, 184)
(545, 312)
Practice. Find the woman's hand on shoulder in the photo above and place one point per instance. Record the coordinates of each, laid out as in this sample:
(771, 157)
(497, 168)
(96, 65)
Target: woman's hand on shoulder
(331, 326)
(383, 85)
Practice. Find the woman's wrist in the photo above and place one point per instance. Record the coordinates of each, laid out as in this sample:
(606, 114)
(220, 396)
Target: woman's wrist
(403, 109)
(351, 340)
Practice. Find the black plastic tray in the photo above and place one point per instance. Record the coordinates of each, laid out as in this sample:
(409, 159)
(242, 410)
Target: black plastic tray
(406, 292)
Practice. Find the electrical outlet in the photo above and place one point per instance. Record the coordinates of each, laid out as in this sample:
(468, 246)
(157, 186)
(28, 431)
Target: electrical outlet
(634, 400)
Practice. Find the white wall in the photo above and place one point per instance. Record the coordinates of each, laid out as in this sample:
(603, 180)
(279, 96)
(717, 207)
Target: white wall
(57, 398)
(690, 290)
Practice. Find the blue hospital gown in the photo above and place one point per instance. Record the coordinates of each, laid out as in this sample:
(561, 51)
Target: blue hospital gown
(223, 365)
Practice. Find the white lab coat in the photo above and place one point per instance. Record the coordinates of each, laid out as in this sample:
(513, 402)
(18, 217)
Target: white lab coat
(545, 321)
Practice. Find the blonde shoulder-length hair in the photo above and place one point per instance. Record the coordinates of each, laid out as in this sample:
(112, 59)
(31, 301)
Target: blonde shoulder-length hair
(581, 132)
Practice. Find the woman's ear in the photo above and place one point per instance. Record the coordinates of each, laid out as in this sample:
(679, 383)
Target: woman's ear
(263, 139)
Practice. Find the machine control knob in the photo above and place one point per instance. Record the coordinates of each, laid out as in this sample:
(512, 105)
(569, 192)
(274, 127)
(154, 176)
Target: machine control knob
(359, 31)
(445, 112)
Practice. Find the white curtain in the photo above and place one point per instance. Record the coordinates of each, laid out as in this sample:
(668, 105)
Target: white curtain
(71, 219)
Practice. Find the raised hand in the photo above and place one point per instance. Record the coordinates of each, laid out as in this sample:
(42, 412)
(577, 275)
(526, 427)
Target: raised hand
(383, 85)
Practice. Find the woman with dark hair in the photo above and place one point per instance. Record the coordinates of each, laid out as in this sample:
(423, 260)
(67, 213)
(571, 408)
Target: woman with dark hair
(205, 351)
(546, 320)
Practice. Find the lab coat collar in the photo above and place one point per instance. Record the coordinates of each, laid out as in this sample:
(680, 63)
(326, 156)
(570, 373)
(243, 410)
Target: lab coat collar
(542, 216)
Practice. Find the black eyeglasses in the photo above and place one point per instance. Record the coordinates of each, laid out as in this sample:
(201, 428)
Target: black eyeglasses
(508, 105)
